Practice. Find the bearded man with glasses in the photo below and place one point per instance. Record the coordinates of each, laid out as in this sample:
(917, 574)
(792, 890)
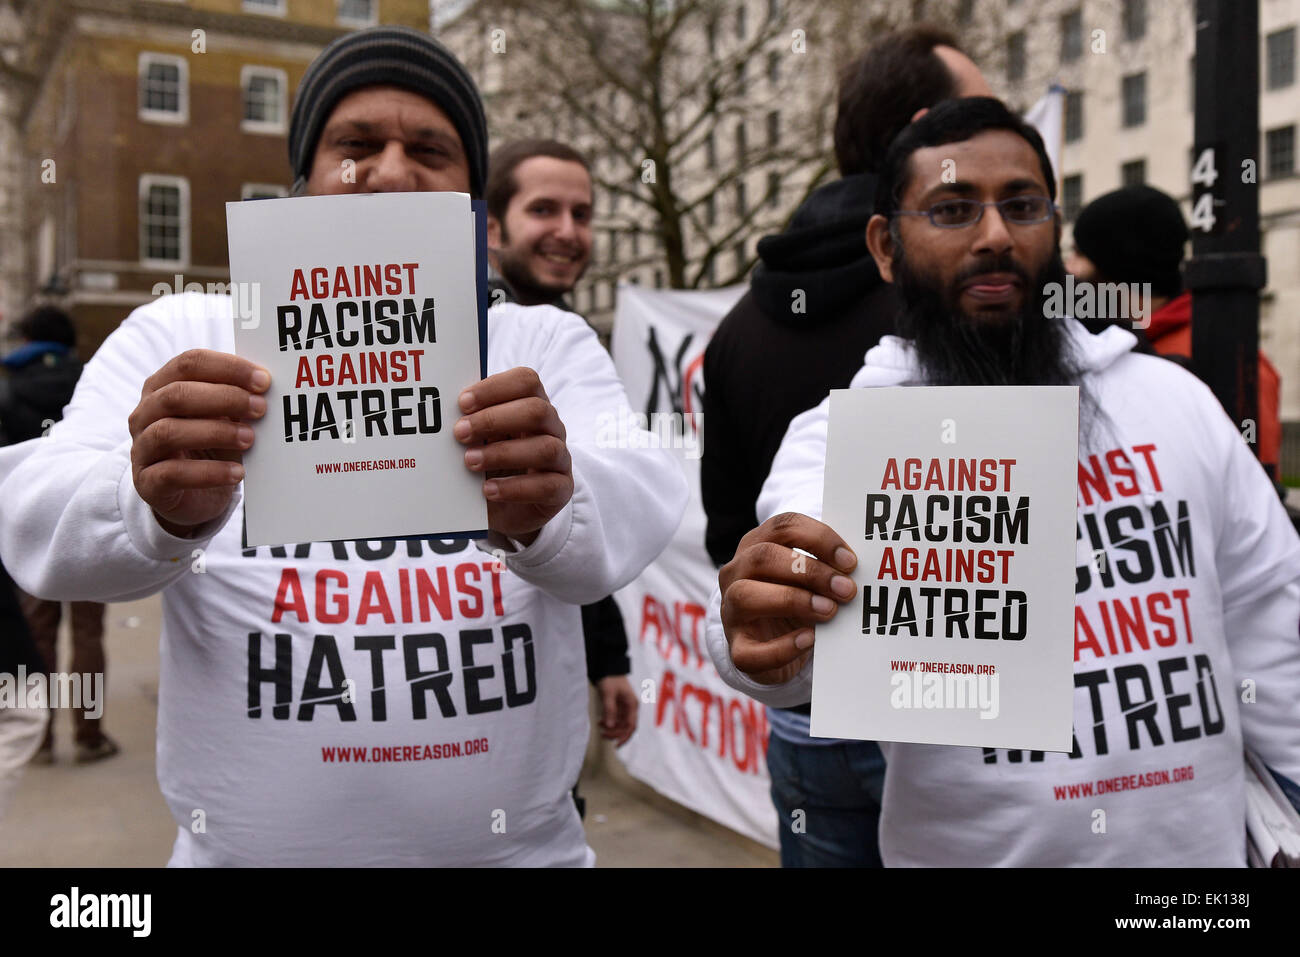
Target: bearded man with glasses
(965, 229)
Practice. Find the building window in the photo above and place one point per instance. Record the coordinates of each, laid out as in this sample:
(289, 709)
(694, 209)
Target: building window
(164, 220)
(741, 81)
(710, 211)
(1073, 116)
(1135, 19)
(773, 128)
(1071, 196)
(659, 278)
(613, 246)
(773, 9)
(741, 21)
(965, 12)
(1281, 58)
(710, 151)
(774, 68)
(711, 33)
(273, 7)
(742, 207)
(164, 88)
(361, 13)
(1016, 57)
(1133, 173)
(741, 258)
(1072, 36)
(773, 189)
(1279, 151)
(265, 93)
(1134, 97)
(262, 191)
(636, 241)
(741, 148)
(613, 292)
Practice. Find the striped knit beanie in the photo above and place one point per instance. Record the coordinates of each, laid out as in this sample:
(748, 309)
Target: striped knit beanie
(394, 55)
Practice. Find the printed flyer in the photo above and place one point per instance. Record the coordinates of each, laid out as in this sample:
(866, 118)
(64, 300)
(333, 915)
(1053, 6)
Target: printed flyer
(368, 311)
(960, 505)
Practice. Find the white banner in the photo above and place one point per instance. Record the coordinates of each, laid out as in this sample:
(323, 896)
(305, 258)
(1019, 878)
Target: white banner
(698, 741)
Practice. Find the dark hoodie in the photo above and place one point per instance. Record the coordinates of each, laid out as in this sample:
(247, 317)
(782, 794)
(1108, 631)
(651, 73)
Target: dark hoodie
(816, 304)
(40, 380)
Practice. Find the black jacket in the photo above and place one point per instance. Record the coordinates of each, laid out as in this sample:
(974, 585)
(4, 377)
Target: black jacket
(16, 645)
(768, 360)
(39, 381)
(603, 633)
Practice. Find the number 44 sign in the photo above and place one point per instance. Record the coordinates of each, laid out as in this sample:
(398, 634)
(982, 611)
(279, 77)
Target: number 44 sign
(1205, 198)
(960, 505)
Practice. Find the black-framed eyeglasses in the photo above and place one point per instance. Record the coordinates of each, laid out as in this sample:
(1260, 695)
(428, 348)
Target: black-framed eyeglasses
(956, 213)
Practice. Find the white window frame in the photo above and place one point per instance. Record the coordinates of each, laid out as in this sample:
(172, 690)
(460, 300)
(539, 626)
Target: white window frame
(148, 180)
(262, 126)
(252, 7)
(247, 190)
(182, 116)
(370, 21)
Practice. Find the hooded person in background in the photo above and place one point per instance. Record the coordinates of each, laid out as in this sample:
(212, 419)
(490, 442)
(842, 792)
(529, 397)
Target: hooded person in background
(815, 306)
(539, 205)
(42, 375)
(972, 258)
(414, 702)
(1137, 235)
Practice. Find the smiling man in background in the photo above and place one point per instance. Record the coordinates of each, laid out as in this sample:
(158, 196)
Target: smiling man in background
(540, 207)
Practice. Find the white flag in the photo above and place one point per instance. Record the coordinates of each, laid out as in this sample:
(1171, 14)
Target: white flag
(1048, 117)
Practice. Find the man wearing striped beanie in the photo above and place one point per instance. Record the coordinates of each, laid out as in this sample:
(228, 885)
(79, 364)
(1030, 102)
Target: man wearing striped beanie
(374, 94)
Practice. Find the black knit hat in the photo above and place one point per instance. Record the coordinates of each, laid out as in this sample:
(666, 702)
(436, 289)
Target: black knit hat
(394, 55)
(1135, 234)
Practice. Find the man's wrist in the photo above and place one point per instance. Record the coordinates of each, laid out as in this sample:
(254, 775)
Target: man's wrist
(178, 531)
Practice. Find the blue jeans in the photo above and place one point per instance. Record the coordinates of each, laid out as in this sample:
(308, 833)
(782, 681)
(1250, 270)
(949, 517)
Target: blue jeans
(838, 788)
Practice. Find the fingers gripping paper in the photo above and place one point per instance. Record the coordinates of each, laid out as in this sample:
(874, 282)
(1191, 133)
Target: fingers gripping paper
(960, 505)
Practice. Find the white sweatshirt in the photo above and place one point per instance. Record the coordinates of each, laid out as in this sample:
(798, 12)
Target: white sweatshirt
(1186, 641)
(351, 703)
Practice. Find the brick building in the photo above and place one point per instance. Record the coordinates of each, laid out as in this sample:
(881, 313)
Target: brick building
(136, 121)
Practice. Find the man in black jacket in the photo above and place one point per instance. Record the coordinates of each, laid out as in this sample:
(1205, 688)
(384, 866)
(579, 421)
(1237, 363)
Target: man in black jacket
(539, 200)
(41, 375)
(816, 304)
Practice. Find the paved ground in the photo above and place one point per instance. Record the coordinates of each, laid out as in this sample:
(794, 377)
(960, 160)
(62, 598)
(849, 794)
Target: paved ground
(112, 814)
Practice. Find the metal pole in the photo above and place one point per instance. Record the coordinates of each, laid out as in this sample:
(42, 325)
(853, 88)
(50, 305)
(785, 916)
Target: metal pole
(1226, 270)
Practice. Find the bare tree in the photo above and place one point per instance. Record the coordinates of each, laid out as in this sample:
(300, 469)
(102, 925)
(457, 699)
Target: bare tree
(709, 120)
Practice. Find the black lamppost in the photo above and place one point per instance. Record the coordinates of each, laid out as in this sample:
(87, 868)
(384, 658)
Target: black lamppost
(1226, 270)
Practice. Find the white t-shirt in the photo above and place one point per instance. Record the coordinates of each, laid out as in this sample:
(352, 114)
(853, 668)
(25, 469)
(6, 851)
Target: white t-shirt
(351, 703)
(1186, 642)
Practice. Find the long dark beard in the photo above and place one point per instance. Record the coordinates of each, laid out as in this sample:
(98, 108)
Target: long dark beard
(956, 348)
